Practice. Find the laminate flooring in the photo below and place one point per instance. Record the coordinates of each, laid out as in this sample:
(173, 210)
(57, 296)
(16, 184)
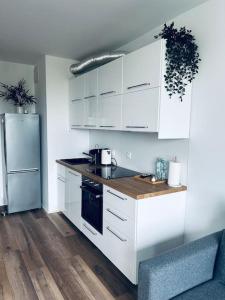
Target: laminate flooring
(45, 257)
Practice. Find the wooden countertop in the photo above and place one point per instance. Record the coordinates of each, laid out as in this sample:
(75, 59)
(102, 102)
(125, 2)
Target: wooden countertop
(128, 185)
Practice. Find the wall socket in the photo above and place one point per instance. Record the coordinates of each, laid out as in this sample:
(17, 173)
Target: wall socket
(128, 155)
(113, 153)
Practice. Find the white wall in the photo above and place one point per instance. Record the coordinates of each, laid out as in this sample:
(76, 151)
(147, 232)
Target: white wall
(145, 148)
(11, 73)
(206, 161)
(58, 140)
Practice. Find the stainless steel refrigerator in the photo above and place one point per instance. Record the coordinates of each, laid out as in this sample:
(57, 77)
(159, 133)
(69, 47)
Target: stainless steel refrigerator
(20, 139)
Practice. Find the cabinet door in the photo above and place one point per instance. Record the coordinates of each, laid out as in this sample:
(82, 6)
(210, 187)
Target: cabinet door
(90, 112)
(91, 84)
(141, 110)
(110, 78)
(61, 185)
(76, 113)
(110, 112)
(74, 198)
(142, 68)
(76, 88)
(119, 249)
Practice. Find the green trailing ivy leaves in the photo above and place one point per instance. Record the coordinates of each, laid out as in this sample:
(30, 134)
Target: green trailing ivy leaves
(182, 59)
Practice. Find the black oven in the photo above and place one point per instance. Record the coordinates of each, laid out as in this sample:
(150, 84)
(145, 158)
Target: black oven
(92, 203)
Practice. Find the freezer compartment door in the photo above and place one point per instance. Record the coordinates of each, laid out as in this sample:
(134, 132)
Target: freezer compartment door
(22, 141)
(23, 191)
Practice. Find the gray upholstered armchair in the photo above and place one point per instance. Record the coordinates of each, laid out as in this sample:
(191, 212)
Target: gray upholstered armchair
(195, 271)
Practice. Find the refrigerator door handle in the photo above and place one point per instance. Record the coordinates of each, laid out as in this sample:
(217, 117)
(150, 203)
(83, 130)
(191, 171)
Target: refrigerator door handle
(23, 171)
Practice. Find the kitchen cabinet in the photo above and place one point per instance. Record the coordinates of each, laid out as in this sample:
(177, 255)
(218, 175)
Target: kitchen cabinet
(73, 198)
(110, 112)
(142, 68)
(91, 84)
(76, 88)
(77, 113)
(110, 78)
(92, 234)
(129, 94)
(141, 110)
(133, 230)
(90, 112)
(61, 187)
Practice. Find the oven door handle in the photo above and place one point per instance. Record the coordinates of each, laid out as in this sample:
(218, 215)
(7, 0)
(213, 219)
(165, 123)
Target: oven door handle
(97, 196)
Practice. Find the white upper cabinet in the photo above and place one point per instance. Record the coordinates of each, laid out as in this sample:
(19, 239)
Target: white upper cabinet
(76, 88)
(142, 68)
(141, 110)
(91, 84)
(90, 112)
(129, 94)
(110, 78)
(76, 113)
(110, 112)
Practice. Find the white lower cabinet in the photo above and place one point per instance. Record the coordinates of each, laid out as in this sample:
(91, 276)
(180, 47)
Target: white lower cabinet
(133, 230)
(93, 235)
(73, 198)
(119, 248)
(61, 187)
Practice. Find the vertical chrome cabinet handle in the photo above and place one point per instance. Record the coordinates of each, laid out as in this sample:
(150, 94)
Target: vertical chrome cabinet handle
(108, 191)
(94, 233)
(119, 237)
(116, 215)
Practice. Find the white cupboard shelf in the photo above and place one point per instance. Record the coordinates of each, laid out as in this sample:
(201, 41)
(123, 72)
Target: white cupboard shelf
(128, 94)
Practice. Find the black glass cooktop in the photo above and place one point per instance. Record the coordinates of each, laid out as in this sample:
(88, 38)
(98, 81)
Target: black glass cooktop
(111, 172)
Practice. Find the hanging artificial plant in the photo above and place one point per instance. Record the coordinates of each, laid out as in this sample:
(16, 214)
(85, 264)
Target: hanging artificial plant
(182, 59)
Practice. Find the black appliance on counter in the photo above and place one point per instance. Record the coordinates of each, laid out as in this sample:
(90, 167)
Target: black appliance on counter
(111, 172)
(95, 155)
(92, 203)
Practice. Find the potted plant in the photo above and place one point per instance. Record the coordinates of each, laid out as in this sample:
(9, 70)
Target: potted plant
(182, 59)
(18, 94)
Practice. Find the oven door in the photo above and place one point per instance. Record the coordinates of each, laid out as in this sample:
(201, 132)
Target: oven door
(92, 207)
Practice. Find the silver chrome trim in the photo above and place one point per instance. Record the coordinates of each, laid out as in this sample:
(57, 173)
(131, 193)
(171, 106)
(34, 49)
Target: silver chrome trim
(23, 171)
(89, 97)
(61, 179)
(107, 126)
(140, 127)
(119, 237)
(138, 85)
(116, 215)
(107, 93)
(108, 191)
(91, 231)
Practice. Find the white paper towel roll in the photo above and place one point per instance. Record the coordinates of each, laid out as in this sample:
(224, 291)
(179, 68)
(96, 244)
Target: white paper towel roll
(174, 174)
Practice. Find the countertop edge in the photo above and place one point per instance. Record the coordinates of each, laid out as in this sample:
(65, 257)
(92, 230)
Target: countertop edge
(140, 196)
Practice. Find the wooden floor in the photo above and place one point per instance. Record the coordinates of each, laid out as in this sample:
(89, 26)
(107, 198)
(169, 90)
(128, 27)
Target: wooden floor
(45, 257)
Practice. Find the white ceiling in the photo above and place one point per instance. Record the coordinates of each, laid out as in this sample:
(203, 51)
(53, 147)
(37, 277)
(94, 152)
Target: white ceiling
(78, 28)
